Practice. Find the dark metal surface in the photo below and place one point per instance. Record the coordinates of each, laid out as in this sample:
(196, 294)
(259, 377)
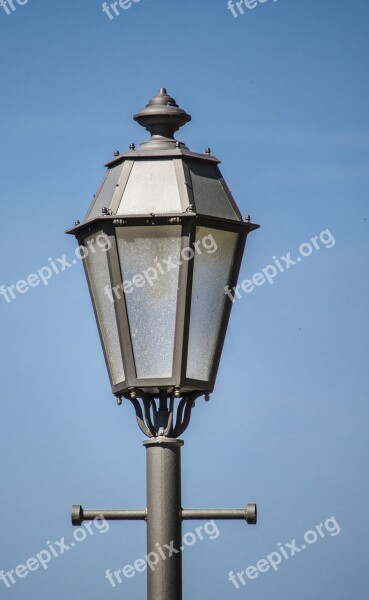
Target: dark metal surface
(249, 514)
(176, 152)
(212, 198)
(164, 525)
(80, 514)
(162, 117)
(85, 228)
(157, 417)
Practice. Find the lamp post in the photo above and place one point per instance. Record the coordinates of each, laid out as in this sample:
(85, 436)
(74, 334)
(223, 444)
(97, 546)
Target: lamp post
(162, 242)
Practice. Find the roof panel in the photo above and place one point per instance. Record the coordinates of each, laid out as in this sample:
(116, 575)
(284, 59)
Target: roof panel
(209, 195)
(151, 188)
(105, 193)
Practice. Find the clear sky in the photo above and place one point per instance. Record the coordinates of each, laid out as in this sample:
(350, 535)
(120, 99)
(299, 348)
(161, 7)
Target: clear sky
(281, 95)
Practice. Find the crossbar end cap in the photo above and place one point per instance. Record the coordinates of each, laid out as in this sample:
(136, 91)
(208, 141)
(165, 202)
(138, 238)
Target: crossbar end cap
(251, 514)
(77, 514)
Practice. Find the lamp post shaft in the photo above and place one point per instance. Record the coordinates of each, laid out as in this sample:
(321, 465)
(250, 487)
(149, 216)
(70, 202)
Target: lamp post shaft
(164, 522)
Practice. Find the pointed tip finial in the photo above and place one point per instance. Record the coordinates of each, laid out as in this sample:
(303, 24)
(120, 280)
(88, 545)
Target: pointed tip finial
(162, 117)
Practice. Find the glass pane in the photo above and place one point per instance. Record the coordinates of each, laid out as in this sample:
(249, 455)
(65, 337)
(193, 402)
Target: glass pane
(105, 194)
(212, 270)
(210, 196)
(151, 188)
(98, 274)
(151, 294)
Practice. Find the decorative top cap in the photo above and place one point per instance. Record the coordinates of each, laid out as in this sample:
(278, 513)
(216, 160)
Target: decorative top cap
(162, 117)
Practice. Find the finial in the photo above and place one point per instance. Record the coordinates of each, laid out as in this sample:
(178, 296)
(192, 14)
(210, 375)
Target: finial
(162, 117)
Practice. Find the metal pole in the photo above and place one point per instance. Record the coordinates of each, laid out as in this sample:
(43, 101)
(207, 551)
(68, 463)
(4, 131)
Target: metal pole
(164, 523)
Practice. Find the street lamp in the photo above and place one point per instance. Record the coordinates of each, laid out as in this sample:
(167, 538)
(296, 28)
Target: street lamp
(162, 243)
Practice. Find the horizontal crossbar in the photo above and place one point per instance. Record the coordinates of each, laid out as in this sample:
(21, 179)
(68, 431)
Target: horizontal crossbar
(80, 514)
(249, 514)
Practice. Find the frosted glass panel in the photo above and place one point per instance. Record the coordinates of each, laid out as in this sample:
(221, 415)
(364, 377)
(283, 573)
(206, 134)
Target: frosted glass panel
(211, 274)
(151, 299)
(98, 273)
(152, 188)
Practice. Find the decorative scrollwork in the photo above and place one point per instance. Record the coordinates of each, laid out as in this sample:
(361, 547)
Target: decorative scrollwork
(156, 416)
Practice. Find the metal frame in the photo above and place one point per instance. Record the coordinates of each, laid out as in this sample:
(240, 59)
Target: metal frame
(121, 185)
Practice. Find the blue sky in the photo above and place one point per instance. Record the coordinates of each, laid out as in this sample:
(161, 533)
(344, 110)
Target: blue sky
(281, 96)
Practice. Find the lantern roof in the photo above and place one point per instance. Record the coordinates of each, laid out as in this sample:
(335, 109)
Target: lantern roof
(162, 176)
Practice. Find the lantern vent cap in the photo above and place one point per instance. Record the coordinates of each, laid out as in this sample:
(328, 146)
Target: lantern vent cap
(162, 117)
